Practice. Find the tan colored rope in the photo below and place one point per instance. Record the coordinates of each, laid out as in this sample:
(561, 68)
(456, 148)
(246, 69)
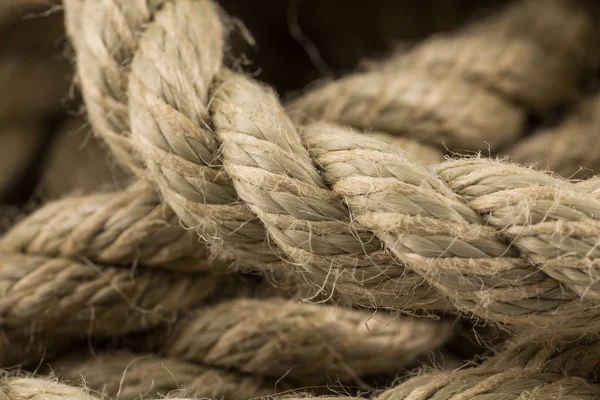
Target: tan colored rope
(570, 149)
(503, 268)
(131, 227)
(469, 91)
(57, 295)
(468, 384)
(349, 213)
(307, 343)
(129, 376)
(499, 384)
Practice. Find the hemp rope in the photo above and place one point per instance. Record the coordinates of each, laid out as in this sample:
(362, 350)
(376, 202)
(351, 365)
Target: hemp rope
(132, 376)
(571, 148)
(273, 173)
(575, 283)
(468, 384)
(277, 338)
(61, 296)
(130, 227)
(470, 91)
(531, 367)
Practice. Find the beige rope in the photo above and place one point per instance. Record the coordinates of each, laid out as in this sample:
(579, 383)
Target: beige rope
(349, 213)
(307, 343)
(131, 227)
(61, 296)
(571, 148)
(130, 376)
(469, 91)
(444, 240)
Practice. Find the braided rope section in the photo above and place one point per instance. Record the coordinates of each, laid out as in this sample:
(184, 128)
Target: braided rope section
(276, 338)
(517, 250)
(126, 375)
(298, 194)
(470, 91)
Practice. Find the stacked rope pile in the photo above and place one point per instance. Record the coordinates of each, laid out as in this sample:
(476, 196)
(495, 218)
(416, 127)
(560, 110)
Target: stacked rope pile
(197, 279)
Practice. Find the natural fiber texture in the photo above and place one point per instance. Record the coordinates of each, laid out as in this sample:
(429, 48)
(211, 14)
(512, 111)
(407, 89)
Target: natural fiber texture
(39, 389)
(129, 376)
(500, 384)
(104, 46)
(74, 145)
(303, 342)
(442, 238)
(131, 227)
(486, 265)
(66, 297)
(469, 384)
(572, 352)
(571, 149)
(469, 91)
(350, 214)
(423, 152)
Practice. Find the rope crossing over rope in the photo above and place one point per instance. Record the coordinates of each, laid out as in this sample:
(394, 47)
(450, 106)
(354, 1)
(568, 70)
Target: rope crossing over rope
(309, 195)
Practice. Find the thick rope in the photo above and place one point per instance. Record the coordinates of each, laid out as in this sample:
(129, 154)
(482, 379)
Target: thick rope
(571, 149)
(307, 343)
(61, 296)
(129, 376)
(468, 384)
(349, 213)
(470, 91)
(452, 244)
(37, 389)
(499, 384)
(508, 253)
(131, 227)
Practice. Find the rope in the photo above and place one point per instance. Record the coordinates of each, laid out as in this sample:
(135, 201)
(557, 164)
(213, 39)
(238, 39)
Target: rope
(359, 220)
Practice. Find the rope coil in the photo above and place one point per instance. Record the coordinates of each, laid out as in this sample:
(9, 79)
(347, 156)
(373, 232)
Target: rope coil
(310, 195)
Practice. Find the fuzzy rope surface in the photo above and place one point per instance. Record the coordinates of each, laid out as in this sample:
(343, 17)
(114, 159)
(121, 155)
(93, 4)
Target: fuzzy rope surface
(469, 91)
(67, 297)
(350, 214)
(131, 227)
(130, 376)
(307, 343)
(450, 247)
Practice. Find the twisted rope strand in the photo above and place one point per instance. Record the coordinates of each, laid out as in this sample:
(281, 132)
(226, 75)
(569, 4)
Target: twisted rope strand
(439, 237)
(459, 91)
(132, 227)
(570, 149)
(277, 338)
(57, 295)
(468, 384)
(104, 46)
(133, 376)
